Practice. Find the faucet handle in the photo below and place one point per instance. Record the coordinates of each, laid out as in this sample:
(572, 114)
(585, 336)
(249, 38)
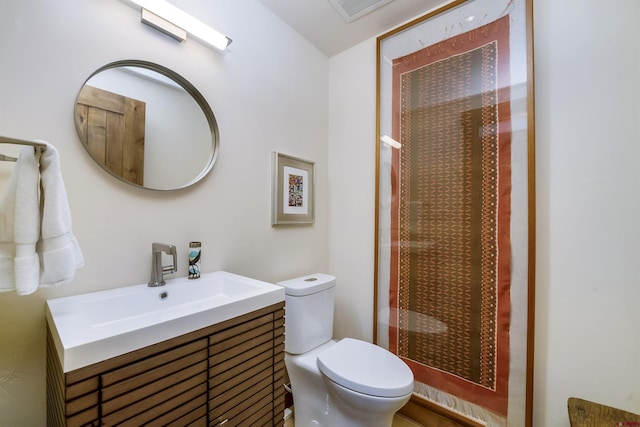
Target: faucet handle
(162, 247)
(173, 267)
(170, 250)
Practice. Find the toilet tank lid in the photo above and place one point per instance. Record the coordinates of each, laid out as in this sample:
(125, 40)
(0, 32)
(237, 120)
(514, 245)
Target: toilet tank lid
(307, 285)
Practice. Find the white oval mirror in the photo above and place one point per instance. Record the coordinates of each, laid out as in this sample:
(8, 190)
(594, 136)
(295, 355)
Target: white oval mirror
(146, 125)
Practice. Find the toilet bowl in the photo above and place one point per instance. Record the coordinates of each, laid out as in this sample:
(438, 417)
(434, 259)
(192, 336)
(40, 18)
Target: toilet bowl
(346, 383)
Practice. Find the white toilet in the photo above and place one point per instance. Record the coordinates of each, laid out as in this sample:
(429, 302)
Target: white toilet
(346, 383)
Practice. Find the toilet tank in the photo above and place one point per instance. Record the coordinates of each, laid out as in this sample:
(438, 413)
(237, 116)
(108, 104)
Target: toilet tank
(309, 304)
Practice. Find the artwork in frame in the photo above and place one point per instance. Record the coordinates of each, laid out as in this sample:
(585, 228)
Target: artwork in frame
(455, 222)
(292, 190)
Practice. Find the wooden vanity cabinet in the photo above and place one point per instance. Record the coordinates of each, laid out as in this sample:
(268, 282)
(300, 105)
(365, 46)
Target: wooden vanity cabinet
(230, 374)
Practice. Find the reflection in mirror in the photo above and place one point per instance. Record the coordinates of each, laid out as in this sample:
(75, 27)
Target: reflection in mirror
(146, 125)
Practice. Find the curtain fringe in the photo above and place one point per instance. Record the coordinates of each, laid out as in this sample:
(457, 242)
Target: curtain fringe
(460, 406)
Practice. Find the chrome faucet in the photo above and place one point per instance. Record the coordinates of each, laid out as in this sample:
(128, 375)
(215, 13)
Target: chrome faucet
(157, 270)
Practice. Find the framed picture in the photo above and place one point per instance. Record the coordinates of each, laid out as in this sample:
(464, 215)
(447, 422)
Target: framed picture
(455, 219)
(292, 190)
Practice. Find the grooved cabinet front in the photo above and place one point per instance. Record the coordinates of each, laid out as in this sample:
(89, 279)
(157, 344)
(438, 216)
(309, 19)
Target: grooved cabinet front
(230, 374)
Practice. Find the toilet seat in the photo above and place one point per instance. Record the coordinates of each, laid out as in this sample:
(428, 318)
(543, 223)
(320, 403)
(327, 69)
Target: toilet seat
(366, 368)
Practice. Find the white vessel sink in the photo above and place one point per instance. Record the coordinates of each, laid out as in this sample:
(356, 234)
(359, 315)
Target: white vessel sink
(97, 326)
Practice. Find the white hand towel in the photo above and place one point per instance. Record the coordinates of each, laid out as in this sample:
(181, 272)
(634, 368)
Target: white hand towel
(60, 254)
(20, 227)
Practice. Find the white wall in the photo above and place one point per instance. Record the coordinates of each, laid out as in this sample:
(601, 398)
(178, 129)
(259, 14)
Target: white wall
(269, 92)
(587, 65)
(352, 148)
(587, 68)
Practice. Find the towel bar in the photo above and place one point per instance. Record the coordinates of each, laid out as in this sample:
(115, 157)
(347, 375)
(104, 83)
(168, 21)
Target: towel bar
(7, 140)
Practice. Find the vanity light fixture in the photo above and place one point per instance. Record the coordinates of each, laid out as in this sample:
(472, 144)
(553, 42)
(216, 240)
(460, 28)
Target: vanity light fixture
(390, 141)
(162, 25)
(175, 22)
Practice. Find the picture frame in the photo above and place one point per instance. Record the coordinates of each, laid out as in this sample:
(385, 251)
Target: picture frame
(293, 187)
(455, 206)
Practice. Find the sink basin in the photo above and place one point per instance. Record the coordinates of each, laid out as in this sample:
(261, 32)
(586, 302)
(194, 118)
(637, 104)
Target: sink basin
(97, 326)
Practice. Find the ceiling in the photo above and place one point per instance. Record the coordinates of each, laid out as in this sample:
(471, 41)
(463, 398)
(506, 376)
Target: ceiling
(320, 23)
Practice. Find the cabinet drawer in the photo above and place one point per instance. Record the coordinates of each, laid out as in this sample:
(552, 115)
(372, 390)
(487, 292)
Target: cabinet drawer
(153, 394)
(231, 340)
(240, 367)
(130, 407)
(160, 375)
(155, 361)
(244, 404)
